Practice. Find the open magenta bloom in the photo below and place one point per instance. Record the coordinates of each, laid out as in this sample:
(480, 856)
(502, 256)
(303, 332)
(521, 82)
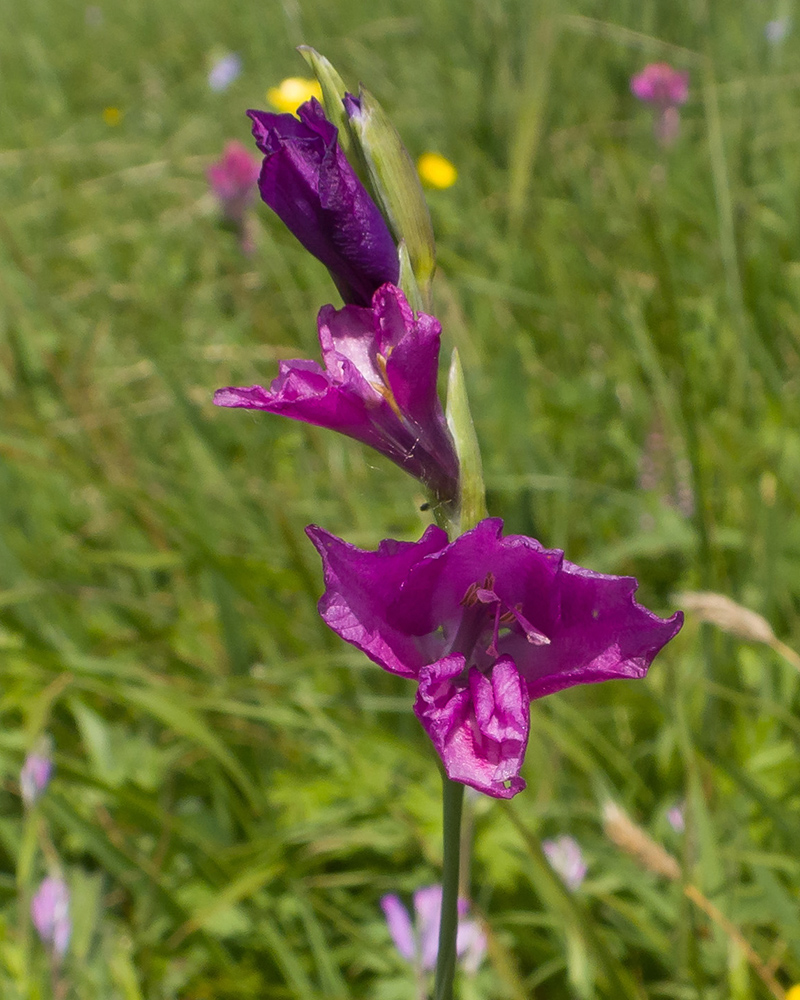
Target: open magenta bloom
(307, 180)
(485, 624)
(378, 386)
(233, 179)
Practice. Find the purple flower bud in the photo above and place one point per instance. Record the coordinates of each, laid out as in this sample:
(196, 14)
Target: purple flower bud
(418, 942)
(378, 386)
(34, 777)
(566, 859)
(50, 914)
(307, 181)
(485, 624)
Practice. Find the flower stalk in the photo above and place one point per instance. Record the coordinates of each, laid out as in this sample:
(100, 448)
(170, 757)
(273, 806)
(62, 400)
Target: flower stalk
(452, 802)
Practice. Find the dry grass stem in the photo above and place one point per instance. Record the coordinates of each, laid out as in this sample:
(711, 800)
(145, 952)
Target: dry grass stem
(719, 610)
(633, 840)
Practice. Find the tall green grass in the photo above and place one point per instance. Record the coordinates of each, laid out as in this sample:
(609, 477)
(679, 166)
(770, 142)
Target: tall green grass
(235, 788)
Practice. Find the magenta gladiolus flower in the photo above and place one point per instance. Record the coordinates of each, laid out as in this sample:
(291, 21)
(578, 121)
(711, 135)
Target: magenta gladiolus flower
(34, 777)
(233, 180)
(378, 386)
(485, 624)
(50, 914)
(418, 941)
(566, 859)
(665, 89)
(307, 180)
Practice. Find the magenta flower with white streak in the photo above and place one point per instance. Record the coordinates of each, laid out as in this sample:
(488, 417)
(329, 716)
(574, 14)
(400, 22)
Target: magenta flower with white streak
(485, 625)
(378, 386)
(418, 940)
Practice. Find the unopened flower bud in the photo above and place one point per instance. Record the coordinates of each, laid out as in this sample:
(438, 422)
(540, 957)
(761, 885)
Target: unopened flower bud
(395, 182)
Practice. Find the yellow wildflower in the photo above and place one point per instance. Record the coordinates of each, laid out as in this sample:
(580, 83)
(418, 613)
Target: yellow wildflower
(112, 116)
(794, 993)
(292, 92)
(436, 171)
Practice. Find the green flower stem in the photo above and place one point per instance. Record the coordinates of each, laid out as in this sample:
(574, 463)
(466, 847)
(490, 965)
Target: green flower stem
(452, 800)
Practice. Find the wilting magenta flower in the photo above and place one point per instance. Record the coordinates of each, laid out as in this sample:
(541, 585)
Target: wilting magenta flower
(233, 180)
(50, 914)
(485, 624)
(566, 859)
(418, 941)
(34, 777)
(378, 386)
(307, 180)
(665, 89)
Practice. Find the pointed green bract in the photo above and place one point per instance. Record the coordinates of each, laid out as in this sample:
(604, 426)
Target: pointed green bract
(396, 184)
(333, 91)
(472, 492)
(408, 282)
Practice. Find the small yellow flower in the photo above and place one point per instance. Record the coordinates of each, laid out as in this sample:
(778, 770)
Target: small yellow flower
(435, 171)
(293, 92)
(794, 993)
(112, 116)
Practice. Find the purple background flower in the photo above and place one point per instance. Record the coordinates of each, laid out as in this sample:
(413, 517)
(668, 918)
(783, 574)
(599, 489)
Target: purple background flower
(224, 71)
(485, 624)
(566, 858)
(378, 386)
(50, 914)
(34, 777)
(418, 941)
(659, 83)
(233, 179)
(307, 180)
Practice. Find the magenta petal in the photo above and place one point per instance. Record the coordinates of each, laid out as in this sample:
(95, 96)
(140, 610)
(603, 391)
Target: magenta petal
(486, 624)
(360, 586)
(479, 728)
(400, 927)
(359, 393)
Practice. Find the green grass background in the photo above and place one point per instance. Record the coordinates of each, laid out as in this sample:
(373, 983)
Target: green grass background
(235, 787)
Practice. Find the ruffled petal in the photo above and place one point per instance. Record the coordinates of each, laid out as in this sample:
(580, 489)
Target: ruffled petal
(479, 726)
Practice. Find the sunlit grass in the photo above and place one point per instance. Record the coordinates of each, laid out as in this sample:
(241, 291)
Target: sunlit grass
(234, 788)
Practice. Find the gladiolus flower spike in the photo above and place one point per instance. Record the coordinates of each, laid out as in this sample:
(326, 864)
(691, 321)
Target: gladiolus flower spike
(378, 386)
(307, 181)
(485, 624)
